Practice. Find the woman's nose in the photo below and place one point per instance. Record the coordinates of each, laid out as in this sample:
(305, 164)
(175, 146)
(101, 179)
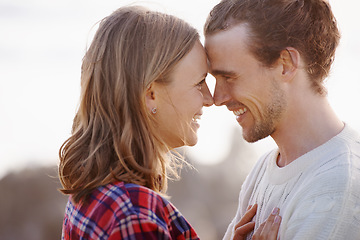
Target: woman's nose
(208, 99)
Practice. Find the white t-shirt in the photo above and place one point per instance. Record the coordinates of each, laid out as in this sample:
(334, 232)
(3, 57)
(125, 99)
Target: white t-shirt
(318, 194)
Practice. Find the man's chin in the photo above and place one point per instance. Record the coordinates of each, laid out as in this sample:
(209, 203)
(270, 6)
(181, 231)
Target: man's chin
(252, 136)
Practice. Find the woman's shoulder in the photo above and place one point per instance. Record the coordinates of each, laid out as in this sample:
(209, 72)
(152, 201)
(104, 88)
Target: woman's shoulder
(142, 195)
(145, 200)
(137, 203)
(129, 198)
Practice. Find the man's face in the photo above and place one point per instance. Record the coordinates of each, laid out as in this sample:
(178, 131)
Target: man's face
(248, 89)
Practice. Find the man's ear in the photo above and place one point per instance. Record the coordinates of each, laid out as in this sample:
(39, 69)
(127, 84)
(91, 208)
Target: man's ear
(290, 59)
(150, 98)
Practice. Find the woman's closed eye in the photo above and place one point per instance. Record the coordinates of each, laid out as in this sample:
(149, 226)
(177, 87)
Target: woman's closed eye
(199, 84)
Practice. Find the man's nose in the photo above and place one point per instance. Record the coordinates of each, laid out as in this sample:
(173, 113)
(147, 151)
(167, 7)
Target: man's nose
(221, 93)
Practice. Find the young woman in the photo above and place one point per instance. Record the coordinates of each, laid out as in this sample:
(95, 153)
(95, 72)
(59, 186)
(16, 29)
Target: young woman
(142, 92)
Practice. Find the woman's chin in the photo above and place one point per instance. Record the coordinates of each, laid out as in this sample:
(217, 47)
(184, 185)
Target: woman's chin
(192, 141)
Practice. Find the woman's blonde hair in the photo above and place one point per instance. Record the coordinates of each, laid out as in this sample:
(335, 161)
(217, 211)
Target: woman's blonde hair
(114, 137)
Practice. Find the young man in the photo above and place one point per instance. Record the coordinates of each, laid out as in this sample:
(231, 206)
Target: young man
(270, 58)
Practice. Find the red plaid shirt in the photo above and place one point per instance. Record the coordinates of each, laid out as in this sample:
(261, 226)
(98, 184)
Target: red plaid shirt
(125, 211)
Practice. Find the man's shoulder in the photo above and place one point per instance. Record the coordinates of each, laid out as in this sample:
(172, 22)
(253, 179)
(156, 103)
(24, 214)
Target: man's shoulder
(343, 155)
(338, 157)
(348, 141)
(335, 176)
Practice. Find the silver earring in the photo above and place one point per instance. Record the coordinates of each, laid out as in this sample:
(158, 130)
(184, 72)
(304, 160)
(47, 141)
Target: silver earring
(154, 110)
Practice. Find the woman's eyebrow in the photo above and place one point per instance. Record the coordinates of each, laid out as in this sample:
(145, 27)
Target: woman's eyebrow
(223, 73)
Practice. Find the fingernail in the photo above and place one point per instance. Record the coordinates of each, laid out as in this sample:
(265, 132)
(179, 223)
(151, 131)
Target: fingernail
(277, 219)
(275, 211)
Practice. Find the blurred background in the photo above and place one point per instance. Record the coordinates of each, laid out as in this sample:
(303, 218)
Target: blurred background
(41, 47)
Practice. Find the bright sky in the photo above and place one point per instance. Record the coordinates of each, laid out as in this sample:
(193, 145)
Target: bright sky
(41, 48)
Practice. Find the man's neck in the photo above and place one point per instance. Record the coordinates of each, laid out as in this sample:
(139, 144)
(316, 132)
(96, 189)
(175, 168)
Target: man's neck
(308, 126)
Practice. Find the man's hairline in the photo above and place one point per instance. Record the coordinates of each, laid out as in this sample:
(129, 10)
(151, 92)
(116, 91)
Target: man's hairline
(229, 24)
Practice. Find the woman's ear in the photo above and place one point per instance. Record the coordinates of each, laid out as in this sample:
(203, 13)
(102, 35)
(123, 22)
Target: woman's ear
(290, 58)
(150, 98)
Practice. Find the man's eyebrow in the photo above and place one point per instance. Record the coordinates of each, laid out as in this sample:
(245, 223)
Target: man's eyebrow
(223, 73)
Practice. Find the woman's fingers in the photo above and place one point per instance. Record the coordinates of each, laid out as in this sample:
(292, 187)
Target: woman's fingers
(259, 230)
(275, 228)
(269, 229)
(248, 216)
(241, 232)
(245, 226)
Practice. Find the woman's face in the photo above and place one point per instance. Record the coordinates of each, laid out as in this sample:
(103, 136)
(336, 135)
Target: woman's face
(179, 104)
